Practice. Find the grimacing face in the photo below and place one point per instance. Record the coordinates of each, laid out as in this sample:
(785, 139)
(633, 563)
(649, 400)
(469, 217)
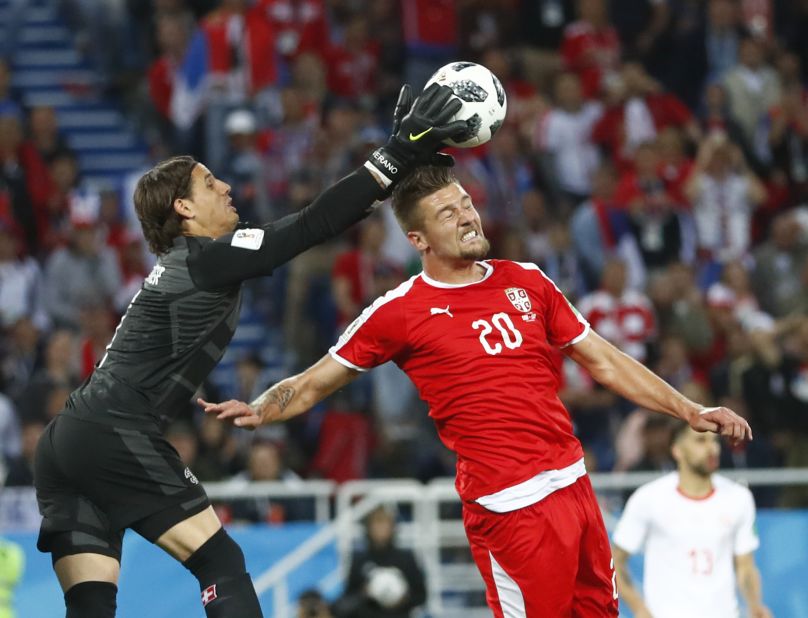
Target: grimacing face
(209, 205)
(451, 228)
(698, 452)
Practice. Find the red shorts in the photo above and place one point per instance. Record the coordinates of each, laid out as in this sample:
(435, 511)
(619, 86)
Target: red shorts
(551, 559)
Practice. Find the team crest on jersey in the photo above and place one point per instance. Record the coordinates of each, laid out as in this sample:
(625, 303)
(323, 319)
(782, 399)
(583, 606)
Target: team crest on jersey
(519, 299)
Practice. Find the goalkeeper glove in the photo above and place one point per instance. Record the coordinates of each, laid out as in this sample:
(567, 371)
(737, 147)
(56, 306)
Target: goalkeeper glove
(419, 130)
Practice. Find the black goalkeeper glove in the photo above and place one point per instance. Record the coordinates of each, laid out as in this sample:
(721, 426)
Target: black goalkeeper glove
(418, 132)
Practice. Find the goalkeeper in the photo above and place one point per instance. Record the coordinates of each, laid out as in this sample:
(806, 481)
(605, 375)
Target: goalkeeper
(103, 465)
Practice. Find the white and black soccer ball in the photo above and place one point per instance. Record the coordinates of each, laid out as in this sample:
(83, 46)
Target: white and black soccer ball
(483, 99)
(387, 586)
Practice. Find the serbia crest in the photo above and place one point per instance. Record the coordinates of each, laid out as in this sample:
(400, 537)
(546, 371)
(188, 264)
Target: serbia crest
(519, 299)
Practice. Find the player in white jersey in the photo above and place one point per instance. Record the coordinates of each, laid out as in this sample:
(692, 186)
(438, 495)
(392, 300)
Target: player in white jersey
(696, 529)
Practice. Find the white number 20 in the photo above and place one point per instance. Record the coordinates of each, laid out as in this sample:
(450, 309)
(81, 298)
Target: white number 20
(511, 337)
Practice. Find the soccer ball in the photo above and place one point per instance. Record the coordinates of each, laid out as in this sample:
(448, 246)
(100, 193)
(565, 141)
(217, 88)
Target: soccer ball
(482, 96)
(387, 586)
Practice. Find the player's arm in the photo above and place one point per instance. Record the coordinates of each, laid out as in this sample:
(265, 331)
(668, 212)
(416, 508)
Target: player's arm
(419, 131)
(287, 398)
(628, 378)
(748, 576)
(625, 585)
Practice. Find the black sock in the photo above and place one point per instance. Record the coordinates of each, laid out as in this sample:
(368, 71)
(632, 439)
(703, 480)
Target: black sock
(227, 590)
(231, 597)
(91, 600)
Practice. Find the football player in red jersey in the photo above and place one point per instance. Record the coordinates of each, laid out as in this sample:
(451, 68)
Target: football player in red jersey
(476, 338)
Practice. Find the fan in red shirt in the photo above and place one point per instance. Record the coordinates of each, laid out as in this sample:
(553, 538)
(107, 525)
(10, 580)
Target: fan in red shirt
(591, 47)
(477, 337)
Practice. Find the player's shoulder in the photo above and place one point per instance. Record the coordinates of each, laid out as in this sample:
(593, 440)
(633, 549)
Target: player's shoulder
(526, 269)
(659, 488)
(732, 489)
(391, 300)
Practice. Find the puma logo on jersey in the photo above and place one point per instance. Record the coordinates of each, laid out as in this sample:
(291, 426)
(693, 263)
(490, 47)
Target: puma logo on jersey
(437, 310)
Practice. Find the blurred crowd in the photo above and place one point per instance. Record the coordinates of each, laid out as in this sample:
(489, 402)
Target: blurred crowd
(654, 163)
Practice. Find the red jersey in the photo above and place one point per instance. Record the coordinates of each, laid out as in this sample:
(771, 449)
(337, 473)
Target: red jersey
(482, 358)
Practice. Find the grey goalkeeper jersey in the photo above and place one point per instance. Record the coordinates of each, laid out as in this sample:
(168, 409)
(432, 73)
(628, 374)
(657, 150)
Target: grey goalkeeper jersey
(177, 327)
(171, 337)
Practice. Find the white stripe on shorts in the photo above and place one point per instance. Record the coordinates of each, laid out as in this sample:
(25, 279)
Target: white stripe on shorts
(511, 600)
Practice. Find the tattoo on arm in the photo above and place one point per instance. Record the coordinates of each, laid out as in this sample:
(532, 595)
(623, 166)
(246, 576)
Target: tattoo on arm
(280, 395)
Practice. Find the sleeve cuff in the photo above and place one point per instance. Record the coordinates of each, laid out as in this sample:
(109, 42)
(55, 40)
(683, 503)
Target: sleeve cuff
(345, 362)
(579, 338)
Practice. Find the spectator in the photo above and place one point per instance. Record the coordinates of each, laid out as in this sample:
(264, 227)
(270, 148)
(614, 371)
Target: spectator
(244, 167)
(753, 88)
(299, 27)
(565, 135)
(20, 353)
(311, 604)
(21, 468)
(600, 229)
(8, 104)
(21, 292)
(779, 261)
(369, 591)
(723, 192)
(15, 201)
(652, 211)
(622, 316)
(674, 164)
(10, 439)
(715, 116)
(638, 110)
(218, 452)
(58, 373)
(177, 79)
(43, 131)
(680, 306)
(354, 271)
(352, 66)
(84, 272)
(788, 140)
(723, 38)
(97, 328)
(241, 50)
(265, 462)
(591, 47)
(657, 433)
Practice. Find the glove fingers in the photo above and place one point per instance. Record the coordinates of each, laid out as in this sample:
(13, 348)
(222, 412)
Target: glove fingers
(441, 159)
(403, 106)
(449, 110)
(453, 130)
(437, 102)
(425, 98)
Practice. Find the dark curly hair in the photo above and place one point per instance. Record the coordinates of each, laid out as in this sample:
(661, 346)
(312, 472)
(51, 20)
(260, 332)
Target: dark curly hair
(417, 185)
(154, 198)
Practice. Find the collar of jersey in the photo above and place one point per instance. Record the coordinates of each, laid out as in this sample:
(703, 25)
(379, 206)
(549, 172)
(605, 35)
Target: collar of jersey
(440, 284)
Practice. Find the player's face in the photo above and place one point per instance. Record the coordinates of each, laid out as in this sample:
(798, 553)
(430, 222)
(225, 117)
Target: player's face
(210, 206)
(451, 228)
(698, 451)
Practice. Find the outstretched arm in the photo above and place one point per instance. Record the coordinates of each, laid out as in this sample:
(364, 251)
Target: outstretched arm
(287, 398)
(628, 378)
(749, 584)
(625, 584)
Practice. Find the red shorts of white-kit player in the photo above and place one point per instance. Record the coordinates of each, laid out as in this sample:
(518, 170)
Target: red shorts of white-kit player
(548, 560)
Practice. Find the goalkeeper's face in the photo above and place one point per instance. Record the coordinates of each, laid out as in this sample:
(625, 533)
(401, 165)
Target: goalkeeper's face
(451, 229)
(209, 206)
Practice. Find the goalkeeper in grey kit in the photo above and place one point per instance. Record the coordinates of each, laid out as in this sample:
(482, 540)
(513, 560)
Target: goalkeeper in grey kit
(103, 465)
